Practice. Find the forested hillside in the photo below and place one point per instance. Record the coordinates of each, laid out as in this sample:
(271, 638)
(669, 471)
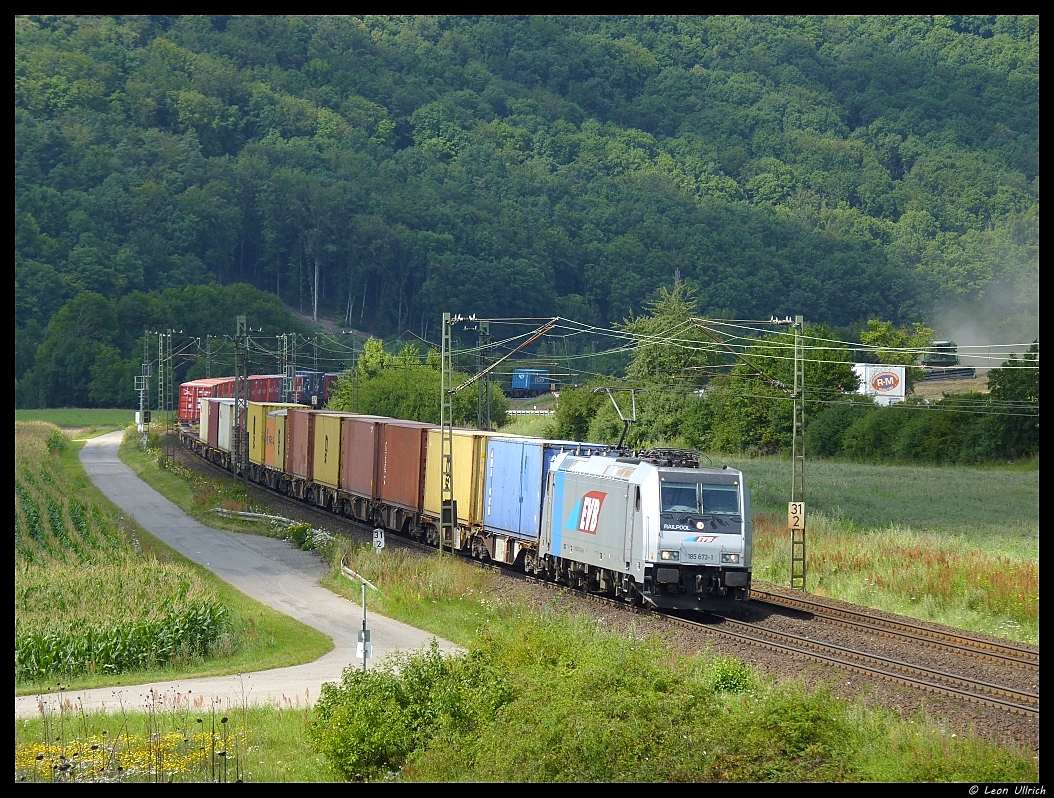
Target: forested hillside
(844, 168)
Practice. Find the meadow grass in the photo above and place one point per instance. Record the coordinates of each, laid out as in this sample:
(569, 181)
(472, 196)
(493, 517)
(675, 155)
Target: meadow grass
(442, 595)
(534, 426)
(994, 508)
(79, 540)
(555, 698)
(193, 741)
(923, 575)
(954, 545)
(79, 417)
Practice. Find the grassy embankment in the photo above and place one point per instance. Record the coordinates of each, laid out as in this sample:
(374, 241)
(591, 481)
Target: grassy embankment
(953, 545)
(530, 678)
(99, 601)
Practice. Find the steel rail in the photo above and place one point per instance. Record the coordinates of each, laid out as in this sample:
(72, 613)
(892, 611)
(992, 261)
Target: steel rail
(957, 642)
(1016, 701)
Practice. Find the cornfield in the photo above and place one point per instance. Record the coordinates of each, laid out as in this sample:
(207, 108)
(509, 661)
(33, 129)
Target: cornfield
(87, 600)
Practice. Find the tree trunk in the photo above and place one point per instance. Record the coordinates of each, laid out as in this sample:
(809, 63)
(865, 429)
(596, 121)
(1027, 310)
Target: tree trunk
(314, 308)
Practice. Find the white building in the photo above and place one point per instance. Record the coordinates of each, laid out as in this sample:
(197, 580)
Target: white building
(884, 384)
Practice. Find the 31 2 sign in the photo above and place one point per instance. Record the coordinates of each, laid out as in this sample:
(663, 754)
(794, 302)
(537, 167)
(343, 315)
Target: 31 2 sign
(796, 515)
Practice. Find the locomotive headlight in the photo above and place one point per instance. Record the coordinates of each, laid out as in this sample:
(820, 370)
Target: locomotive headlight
(668, 555)
(732, 558)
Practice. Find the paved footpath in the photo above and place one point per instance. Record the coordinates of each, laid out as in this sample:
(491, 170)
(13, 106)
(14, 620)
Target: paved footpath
(269, 570)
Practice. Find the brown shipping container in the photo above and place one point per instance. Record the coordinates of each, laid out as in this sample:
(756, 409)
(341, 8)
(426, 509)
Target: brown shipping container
(300, 443)
(360, 472)
(402, 467)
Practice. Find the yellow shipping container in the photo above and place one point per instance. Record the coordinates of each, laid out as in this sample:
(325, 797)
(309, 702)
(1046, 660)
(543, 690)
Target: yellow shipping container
(328, 445)
(257, 422)
(470, 455)
(280, 417)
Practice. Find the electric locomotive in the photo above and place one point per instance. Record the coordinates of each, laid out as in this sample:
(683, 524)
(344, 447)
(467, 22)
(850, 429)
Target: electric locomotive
(647, 529)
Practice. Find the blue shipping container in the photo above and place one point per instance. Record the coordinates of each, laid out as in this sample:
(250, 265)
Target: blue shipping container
(517, 473)
(307, 388)
(530, 380)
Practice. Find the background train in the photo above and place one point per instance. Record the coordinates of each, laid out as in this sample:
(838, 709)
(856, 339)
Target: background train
(653, 529)
(941, 362)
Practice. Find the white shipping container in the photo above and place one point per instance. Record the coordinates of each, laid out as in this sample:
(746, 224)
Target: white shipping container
(203, 416)
(226, 425)
(884, 384)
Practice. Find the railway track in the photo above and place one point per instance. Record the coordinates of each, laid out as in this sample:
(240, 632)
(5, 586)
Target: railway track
(933, 682)
(960, 643)
(928, 680)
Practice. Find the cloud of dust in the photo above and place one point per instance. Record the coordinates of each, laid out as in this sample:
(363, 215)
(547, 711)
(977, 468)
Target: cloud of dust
(1003, 319)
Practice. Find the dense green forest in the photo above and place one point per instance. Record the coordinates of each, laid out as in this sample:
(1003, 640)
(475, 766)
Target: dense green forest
(388, 169)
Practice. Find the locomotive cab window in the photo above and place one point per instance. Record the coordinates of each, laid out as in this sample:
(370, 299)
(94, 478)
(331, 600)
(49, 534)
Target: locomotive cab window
(721, 499)
(680, 497)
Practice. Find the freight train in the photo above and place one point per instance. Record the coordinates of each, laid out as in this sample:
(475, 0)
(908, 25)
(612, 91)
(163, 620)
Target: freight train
(653, 529)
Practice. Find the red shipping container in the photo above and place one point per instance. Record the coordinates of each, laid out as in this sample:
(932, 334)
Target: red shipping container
(360, 467)
(224, 387)
(214, 423)
(402, 467)
(329, 379)
(265, 388)
(300, 442)
(191, 392)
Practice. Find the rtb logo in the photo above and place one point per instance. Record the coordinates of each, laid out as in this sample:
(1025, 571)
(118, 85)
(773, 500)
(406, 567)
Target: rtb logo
(586, 513)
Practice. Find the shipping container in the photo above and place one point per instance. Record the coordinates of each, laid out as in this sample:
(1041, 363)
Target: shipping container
(214, 420)
(224, 388)
(203, 419)
(269, 440)
(257, 423)
(362, 455)
(300, 443)
(328, 445)
(329, 379)
(307, 388)
(515, 482)
(280, 418)
(469, 453)
(226, 439)
(402, 463)
(191, 394)
(265, 388)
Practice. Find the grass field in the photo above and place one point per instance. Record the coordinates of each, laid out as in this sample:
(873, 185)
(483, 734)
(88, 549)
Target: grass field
(995, 509)
(949, 544)
(189, 743)
(259, 637)
(79, 417)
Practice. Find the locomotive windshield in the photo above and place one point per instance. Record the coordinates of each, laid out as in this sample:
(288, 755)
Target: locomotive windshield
(684, 497)
(721, 499)
(680, 497)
